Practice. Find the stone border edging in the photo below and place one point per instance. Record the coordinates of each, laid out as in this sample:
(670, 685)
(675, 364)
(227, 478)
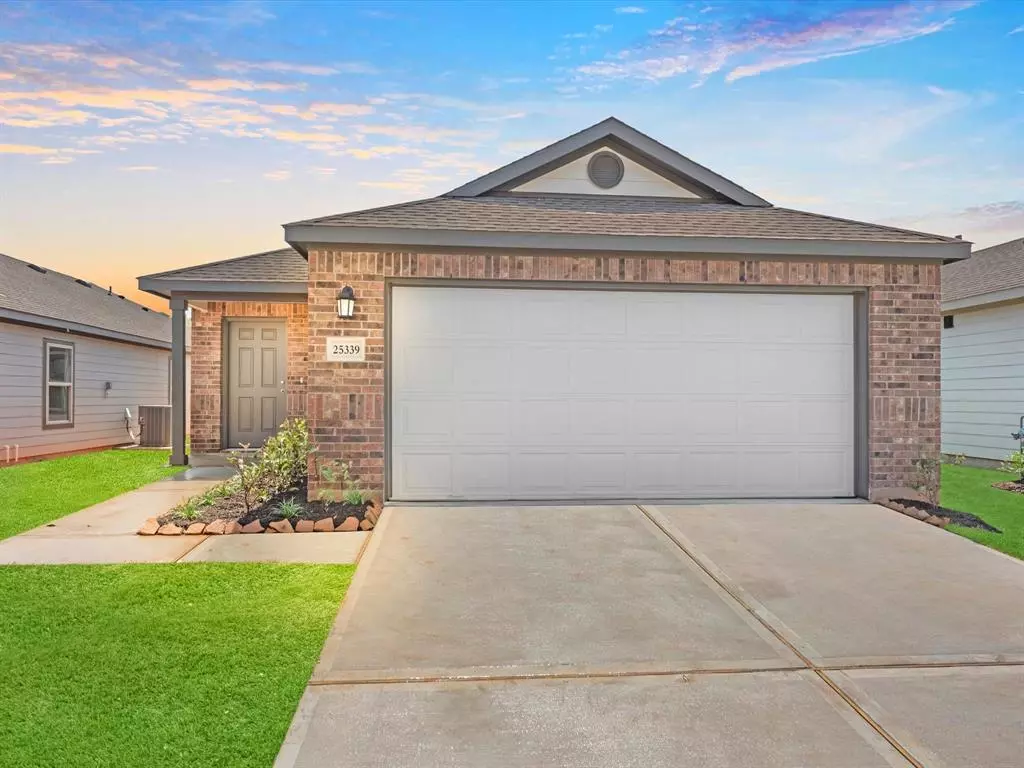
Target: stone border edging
(221, 527)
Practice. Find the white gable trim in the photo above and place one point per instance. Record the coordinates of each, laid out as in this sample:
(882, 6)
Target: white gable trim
(608, 131)
(572, 178)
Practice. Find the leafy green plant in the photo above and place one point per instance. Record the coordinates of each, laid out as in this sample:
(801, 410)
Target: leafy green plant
(251, 477)
(190, 509)
(340, 473)
(289, 508)
(1014, 463)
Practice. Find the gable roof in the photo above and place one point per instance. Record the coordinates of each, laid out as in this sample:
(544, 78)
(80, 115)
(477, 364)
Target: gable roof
(993, 273)
(727, 220)
(40, 296)
(613, 133)
(283, 270)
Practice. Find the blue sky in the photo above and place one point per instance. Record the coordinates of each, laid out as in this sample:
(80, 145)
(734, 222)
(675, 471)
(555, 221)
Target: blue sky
(136, 137)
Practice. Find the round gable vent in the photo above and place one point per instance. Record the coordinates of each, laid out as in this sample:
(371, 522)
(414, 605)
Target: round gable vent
(605, 169)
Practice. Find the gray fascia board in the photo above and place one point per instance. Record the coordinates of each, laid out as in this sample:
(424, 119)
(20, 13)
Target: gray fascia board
(56, 324)
(741, 246)
(604, 130)
(210, 289)
(1005, 296)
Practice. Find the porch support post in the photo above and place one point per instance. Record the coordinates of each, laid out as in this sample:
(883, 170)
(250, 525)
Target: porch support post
(178, 393)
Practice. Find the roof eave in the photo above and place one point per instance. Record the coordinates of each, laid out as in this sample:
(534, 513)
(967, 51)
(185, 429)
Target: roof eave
(212, 290)
(66, 326)
(990, 299)
(302, 235)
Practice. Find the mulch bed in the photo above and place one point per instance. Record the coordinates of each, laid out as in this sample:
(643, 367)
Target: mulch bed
(1014, 486)
(955, 517)
(231, 508)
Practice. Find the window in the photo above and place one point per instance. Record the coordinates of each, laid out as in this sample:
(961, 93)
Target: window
(947, 321)
(58, 384)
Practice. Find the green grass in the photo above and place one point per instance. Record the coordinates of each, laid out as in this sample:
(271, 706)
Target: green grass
(158, 665)
(40, 492)
(970, 490)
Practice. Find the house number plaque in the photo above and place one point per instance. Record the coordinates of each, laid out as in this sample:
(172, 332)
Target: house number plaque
(345, 349)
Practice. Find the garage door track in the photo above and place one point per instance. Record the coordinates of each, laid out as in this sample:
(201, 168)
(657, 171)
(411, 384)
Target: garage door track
(734, 635)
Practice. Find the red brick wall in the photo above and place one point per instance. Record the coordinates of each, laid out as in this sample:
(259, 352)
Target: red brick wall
(346, 402)
(207, 354)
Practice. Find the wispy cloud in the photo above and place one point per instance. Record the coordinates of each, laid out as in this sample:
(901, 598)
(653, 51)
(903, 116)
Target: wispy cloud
(26, 149)
(288, 67)
(139, 168)
(282, 175)
(1017, 30)
(218, 84)
(746, 47)
(630, 9)
(984, 225)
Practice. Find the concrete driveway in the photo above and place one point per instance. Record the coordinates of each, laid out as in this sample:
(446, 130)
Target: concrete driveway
(772, 635)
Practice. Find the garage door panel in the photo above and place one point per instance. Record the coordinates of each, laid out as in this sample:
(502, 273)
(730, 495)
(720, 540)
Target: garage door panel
(617, 394)
(599, 474)
(423, 368)
(424, 422)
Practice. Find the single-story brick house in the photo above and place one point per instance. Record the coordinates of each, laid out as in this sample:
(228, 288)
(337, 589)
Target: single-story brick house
(601, 319)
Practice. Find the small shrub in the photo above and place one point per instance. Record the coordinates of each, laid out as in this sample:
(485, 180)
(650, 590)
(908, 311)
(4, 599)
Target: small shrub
(958, 460)
(927, 471)
(189, 509)
(340, 472)
(355, 497)
(289, 508)
(1014, 463)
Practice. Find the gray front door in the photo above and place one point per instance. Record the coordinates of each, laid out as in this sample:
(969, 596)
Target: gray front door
(256, 380)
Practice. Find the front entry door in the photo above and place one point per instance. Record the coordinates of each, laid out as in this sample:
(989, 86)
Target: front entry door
(256, 380)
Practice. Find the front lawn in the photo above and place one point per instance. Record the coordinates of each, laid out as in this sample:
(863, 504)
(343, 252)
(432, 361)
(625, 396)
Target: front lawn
(970, 490)
(42, 491)
(158, 665)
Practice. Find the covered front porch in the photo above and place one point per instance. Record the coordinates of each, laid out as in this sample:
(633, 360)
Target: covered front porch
(249, 349)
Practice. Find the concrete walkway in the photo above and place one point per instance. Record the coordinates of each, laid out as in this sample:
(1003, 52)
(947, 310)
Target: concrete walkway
(773, 635)
(106, 533)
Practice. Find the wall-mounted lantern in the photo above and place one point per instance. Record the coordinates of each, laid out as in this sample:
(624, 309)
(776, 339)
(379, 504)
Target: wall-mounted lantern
(346, 302)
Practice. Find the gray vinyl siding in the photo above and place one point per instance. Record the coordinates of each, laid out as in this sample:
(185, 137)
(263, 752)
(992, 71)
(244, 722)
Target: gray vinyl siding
(138, 376)
(983, 381)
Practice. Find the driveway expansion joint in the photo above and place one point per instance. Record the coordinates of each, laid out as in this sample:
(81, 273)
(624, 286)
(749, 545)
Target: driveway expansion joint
(821, 673)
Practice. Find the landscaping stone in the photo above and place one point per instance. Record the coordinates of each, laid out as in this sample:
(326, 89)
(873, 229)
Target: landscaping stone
(233, 527)
(281, 526)
(254, 527)
(349, 524)
(373, 513)
(304, 526)
(195, 528)
(169, 529)
(217, 527)
(366, 525)
(324, 524)
(150, 527)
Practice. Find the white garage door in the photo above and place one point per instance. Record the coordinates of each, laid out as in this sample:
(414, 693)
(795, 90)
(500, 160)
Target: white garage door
(552, 394)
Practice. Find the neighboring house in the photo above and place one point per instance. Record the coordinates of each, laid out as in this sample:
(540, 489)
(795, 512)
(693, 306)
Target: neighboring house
(603, 318)
(73, 356)
(983, 352)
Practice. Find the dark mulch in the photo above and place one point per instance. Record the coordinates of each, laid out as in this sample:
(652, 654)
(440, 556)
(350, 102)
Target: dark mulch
(232, 508)
(1015, 486)
(966, 519)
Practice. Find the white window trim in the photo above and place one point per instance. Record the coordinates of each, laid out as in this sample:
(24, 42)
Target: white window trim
(47, 383)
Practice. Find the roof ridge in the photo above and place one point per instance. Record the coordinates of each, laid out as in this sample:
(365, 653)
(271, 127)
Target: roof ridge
(87, 284)
(172, 272)
(408, 203)
(944, 238)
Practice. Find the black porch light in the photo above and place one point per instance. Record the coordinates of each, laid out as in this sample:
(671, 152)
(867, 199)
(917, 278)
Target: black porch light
(346, 302)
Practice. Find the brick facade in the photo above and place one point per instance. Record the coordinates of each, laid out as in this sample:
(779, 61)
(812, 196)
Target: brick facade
(207, 364)
(345, 403)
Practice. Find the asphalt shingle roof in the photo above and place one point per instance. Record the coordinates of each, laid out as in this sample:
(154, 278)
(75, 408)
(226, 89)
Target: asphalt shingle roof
(39, 291)
(283, 265)
(997, 268)
(589, 215)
